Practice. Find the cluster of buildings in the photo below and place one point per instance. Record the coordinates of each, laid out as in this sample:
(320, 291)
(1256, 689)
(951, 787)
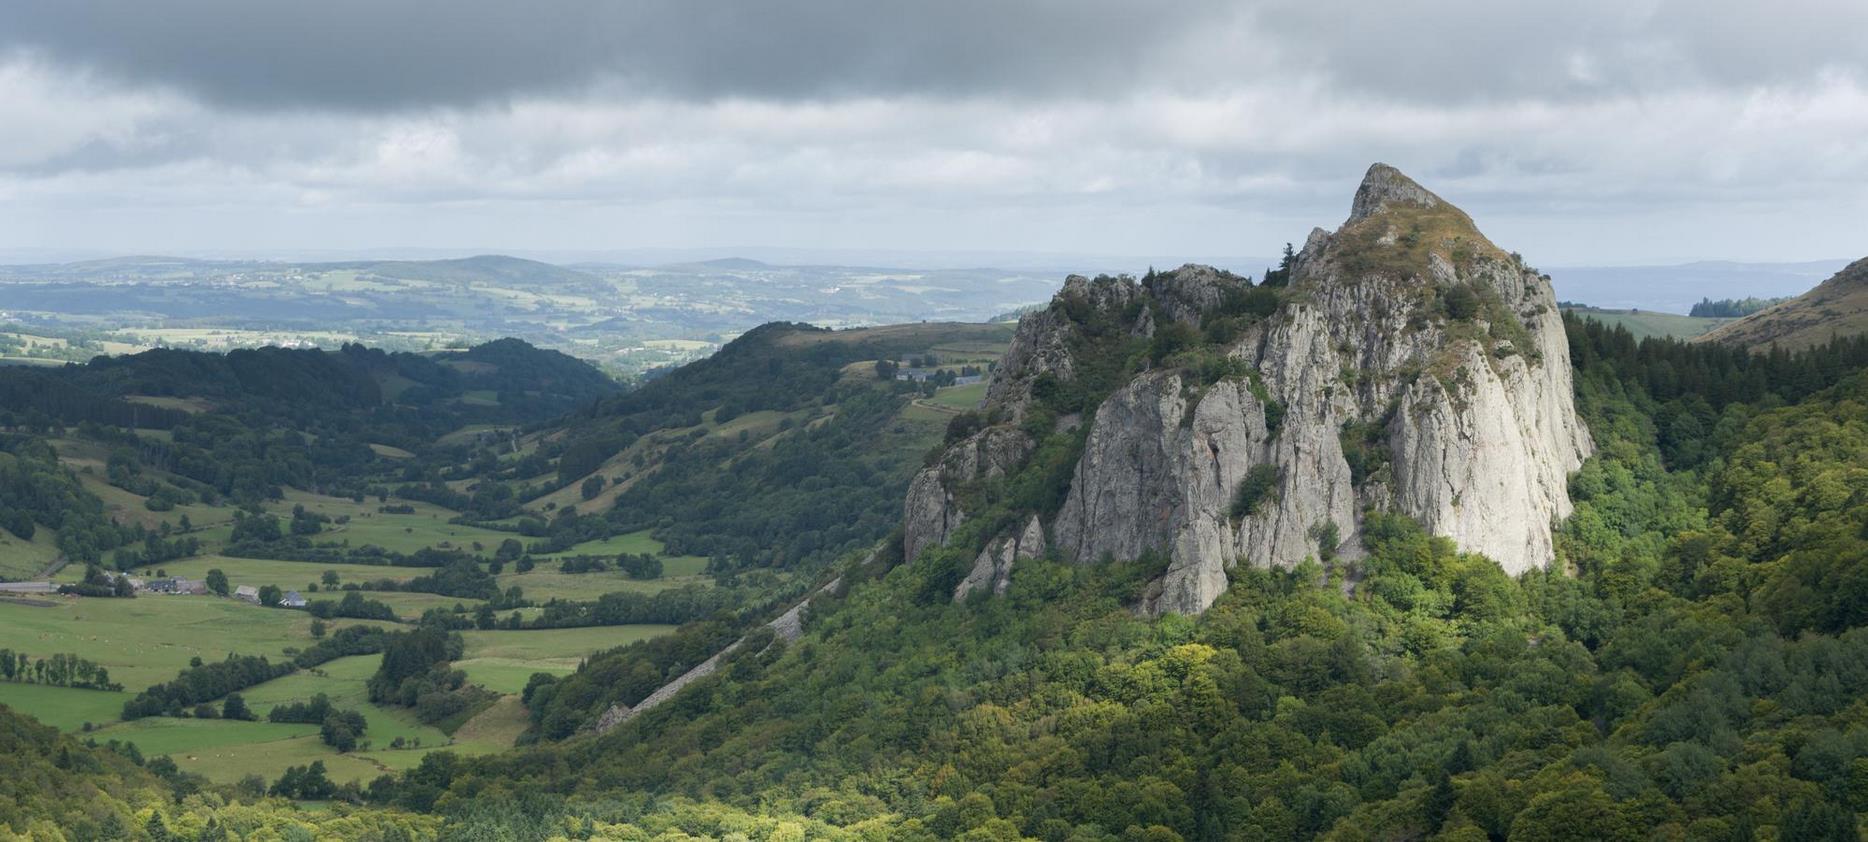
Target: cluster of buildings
(179, 585)
(922, 375)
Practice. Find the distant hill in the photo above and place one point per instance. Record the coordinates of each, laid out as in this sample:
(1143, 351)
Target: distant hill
(1836, 308)
(485, 268)
(498, 382)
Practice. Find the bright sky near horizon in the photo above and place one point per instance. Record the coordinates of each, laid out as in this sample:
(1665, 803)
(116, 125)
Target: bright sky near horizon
(1576, 132)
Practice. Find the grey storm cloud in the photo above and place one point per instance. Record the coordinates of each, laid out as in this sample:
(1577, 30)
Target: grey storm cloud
(375, 55)
(370, 54)
(1576, 128)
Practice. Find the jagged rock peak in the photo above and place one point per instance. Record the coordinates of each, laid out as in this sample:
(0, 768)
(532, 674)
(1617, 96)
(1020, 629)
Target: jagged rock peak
(1410, 366)
(1383, 186)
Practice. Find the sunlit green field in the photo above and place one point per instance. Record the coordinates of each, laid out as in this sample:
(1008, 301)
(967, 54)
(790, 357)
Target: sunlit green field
(25, 559)
(507, 675)
(64, 708)
(293, 575)
(149, 639)
(1646, 324)
(409, 606)
(545, 582)
(427, 527)
(637, 542)
(559, 647)
(960, 397)
(344, 681)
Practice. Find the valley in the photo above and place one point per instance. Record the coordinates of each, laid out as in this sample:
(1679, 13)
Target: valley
(1385, 543)
(469, 489)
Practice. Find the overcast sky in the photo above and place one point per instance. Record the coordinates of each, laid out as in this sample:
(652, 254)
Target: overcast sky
(1576, 132)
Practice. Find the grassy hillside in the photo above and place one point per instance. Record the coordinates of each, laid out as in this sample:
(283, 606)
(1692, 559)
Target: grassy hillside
(1836, 309)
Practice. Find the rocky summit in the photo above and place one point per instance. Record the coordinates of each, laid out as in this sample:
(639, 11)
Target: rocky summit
(1401, 363)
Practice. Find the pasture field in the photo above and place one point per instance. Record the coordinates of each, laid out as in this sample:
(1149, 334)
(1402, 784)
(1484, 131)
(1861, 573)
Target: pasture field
(636, 542)
(64, 708)
(149, 639)
(507, 676)
(496, 728)
(224, 752)
(427, 527)
(960, 397)
(26, 559)
(409, 605)
(128, 508)
(165, 735)
(918, 412)
(390, 451)
(1645, 324)
(344, 681)
(564, 648)
(544, 583)
(754, 424)
(189, 405)
(290, 575)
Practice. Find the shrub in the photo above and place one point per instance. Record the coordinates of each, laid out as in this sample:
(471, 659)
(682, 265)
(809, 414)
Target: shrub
(1461, 302)
(1259, 486)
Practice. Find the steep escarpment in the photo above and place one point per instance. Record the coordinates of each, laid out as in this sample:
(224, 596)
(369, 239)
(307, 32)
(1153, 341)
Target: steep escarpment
(1401, 363)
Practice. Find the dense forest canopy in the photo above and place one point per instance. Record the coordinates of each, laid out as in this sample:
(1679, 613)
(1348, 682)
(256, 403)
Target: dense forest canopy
(1694, 668)
(1695, 674)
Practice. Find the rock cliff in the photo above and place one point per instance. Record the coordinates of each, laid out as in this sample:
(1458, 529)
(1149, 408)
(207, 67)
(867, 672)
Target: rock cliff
(1405, 364)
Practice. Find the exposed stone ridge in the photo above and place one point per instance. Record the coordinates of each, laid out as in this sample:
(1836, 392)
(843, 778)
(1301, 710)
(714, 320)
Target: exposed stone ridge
(993, 568)
(1458, 415)
(1384, 185)
(1193, 290)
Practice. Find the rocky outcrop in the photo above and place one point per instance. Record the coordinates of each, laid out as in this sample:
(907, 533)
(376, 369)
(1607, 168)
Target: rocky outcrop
(1044, 346)
(1190, 292)
(932, 510)
(993, 569)
(1043, 342)
(1384, 186)
(1412, 366)
(1161, 470)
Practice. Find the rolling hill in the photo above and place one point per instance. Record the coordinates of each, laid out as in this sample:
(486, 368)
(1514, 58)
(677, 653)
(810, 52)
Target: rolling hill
(1836, 308)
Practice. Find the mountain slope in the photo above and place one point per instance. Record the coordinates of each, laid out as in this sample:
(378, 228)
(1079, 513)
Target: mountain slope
(1837, 307)
(1410, 366)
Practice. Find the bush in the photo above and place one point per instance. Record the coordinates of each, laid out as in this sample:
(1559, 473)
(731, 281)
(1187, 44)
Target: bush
(1461, 302)
(1259, 486)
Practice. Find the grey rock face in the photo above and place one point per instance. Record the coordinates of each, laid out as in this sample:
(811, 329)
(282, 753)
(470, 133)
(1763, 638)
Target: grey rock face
(1187, 293)
(1042, 342)
(1461, 418)
(1384, 185)
(1041, 345)
(932, 510)
(993, 568)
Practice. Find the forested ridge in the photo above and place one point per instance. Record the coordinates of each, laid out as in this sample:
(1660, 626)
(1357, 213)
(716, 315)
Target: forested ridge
(1696, 674)
(1694, 669)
